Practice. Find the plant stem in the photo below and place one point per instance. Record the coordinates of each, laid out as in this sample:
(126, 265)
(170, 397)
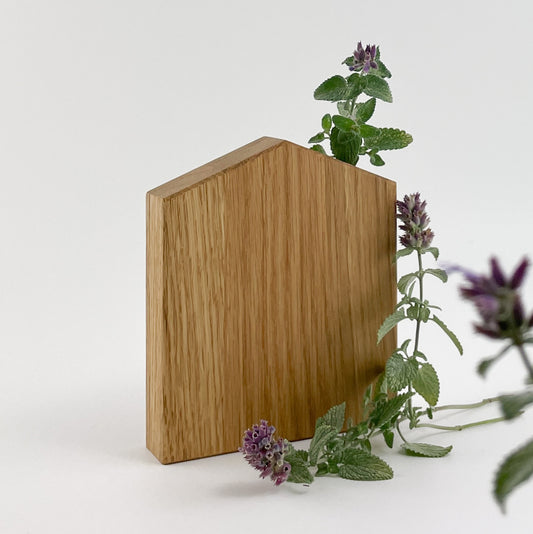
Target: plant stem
(458, 428)
(400, 432)
(525, 359)
(465, 406)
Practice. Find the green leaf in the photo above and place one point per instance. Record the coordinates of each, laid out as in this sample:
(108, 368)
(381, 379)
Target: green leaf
(515, 470)
(389, 323)
(388, 436)
(449, 333)
(400, 372)
(377, 87)
(333, 418)
(322, 469)
(318, 138)
(426, 383)
(403, 252)
(431, 250)
(426, 450)
(318, 148)
(345, 109)
(365, 110)
(439, 273)
(354, 86)
(297, 453)
(383, 71)
(300, 473)
(405, 281)
(361, 465)
(511, 405)
(386, 411)
(389, 139)
(345, 145)
(332, 90)
(326, 122)
(323, 434)
(376, 160)
(485, 364)
(343, 123)
(369, 131)
(413, 312)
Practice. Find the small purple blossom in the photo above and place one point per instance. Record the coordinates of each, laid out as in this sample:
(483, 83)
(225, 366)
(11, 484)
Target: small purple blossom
(266, 454)
(364, 58)
(415, 220)
(498, 301)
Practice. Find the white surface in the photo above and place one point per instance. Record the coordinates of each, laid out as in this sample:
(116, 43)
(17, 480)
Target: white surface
(101, 101)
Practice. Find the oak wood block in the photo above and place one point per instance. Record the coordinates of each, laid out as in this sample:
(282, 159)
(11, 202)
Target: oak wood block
(268, 274)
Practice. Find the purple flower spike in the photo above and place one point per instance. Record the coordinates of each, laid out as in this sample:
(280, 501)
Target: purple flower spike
(412, 213)
(364, 58)
(264, 453)
(498, 301)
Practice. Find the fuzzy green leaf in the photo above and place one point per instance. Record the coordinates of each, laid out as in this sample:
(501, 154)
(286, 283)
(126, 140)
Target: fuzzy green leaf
(361, 465)
(439, 273)
(431, 250)
(323, 434)
(345, 145)
(377, 87)
(388, 436)
(386, 411)
(318, 148)
(300, 473)
(326, 122)
(449, 333)
(405, 281)
(511, 405)
(297, 453)
(400, 372)
(322, 469)
(333, 418)
(515, 470)
(389, 323)
(365, 110)
(343, 123)
(366, 130)
(383, 71)
(389, 139)
(345, 109)
(403, 252)
(354, 86)
(376, 160)
(426, 383)
(426, 450)
(318, 138)
(332, 90)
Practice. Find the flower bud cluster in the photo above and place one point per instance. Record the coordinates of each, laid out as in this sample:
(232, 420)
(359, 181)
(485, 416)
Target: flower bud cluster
(415, 220)
(265, 453)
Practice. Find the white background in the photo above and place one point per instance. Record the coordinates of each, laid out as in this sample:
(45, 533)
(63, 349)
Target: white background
(104, 100)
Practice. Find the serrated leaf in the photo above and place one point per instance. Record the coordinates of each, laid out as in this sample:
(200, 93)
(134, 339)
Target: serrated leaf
(405, 281)
(354, 86)
(365, 110)
(449, 333)
(425, 450)
(297, 453)
(345, 109)
(366, 130)
(322, 435)
(376, 160)
(426, 383)
(318, 138)
(332, 90)
(431, 250)
(361, 465)
(515, 470)
(345, 145)
(333, 418)
(389, 139)
(439, 273)
(404, 345)
(300, 473)
(389, 323)
(326, 122)
(511, 405)
(386, 411)
(413, 312)
(343, 123)
(388, 436)
(318, 148)
(377, 87)
(383, 71)
(403, 252)
(400, 372)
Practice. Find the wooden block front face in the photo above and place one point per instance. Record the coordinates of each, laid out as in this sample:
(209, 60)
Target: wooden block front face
(267, 283)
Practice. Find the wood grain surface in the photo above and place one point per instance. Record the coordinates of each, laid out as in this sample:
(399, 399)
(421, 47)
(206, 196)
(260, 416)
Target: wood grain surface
(268, 274)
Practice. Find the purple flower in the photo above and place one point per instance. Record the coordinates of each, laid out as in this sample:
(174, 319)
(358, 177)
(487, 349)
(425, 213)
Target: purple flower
(364, 58)
(266, 454)
(498, 301)
(412, 213)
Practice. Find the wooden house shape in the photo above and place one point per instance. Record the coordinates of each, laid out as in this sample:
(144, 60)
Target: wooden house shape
(269, 272)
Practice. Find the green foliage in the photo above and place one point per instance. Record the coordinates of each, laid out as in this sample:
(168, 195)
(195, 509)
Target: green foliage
(426, 383)
(300, 473)
(323, 434)
(516, 469)
(449, 333)
(486, 364)
(400, 371)
(425, 450)
(389, 323)
(353, 116)
(388, 410)
(512, 405)
(333, 418)
(361, 465)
